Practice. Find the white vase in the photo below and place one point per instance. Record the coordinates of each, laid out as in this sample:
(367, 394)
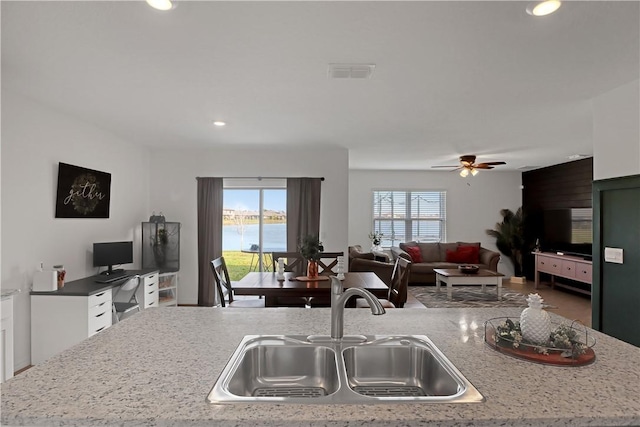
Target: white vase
(535, 322)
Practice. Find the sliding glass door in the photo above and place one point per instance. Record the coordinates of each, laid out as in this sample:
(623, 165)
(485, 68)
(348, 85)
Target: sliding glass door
(254, 224)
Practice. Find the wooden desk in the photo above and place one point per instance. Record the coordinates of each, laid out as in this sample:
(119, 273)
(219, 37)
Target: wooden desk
(266, 284)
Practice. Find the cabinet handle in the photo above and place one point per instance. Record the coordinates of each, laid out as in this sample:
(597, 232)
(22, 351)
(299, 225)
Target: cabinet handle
(542, 262)
(151, 277)
(151, 292)
(100, 305)
(554, 265)
(152, 302)
(100, 294)
(100, 329)
(584, 271)
(569, 268)
(101, 314)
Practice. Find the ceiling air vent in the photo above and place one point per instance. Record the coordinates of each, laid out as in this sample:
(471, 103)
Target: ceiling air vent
(351, 71)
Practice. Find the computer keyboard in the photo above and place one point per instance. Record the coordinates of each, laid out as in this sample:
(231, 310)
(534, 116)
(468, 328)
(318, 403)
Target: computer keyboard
(111, 278)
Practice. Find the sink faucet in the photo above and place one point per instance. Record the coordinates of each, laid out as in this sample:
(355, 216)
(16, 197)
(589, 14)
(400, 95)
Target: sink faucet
(338, 301)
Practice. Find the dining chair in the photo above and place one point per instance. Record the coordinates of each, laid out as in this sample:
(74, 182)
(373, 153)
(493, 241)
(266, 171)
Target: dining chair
(397, 296)
(225, 288)
(124, 299)
(328, 263)
(294, 262)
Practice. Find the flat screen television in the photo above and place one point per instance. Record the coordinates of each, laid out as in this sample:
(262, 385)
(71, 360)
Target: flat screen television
(568, 230)
(109, 254)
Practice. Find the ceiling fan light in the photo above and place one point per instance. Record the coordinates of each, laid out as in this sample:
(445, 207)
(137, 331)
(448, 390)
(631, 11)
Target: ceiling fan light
(464, 172)
(161, 4)
(543, 8)
(474, 172)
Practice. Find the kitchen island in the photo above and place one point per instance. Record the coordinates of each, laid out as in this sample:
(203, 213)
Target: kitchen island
(157, 367)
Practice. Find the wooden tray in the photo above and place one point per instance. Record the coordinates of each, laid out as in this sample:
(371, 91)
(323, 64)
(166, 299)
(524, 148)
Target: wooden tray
(311, 279)
(529, 353)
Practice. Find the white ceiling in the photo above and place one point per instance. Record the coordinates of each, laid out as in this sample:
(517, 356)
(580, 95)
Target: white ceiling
(451, 78)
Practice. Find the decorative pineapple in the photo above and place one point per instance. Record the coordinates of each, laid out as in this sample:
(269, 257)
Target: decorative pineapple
(535, 322)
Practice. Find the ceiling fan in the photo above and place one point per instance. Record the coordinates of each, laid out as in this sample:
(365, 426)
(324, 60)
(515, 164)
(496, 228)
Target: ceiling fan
(468, 165)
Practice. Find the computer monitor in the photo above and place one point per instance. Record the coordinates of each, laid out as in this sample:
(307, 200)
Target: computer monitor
(109, 254)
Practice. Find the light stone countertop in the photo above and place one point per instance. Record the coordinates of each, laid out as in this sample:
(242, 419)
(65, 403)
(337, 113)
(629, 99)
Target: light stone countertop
(157, 367)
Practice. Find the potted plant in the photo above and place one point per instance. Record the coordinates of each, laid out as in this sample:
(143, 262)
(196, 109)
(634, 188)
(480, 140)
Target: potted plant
(376, 240)
(311, 249)
(509, 236)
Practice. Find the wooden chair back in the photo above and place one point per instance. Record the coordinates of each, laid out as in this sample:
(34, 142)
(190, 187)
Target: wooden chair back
(400, 282)
(328, 263)
(222, 281)
(293, 262)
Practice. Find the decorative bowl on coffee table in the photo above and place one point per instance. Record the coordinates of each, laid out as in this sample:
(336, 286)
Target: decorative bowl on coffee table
(468, 269)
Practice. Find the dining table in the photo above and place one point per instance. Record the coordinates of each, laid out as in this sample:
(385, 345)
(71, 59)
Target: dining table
(273, 289)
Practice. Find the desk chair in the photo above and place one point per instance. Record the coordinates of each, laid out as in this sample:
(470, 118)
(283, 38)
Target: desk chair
(124, 299)
(397, 295)
(225, 288)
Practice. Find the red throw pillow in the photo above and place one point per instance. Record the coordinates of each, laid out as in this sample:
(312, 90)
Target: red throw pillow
(414, 253)
(472, 253)
(464, 255)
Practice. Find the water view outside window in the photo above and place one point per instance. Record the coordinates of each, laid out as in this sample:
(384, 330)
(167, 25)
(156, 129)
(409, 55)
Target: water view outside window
(254, 225)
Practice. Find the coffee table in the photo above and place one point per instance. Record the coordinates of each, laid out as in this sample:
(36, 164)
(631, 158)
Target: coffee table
(453, 276)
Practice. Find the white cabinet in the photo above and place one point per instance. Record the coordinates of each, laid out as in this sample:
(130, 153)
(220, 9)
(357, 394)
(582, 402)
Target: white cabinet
(6, 339)
(61, 321)
(168, 289)
(147, 294)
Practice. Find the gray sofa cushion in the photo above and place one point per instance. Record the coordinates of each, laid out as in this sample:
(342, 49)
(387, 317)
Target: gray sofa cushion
(444, 247)
(430, 251)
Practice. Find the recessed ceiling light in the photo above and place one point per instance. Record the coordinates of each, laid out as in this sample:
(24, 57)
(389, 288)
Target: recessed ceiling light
(543, 8)
(161, 4)
(219, 123)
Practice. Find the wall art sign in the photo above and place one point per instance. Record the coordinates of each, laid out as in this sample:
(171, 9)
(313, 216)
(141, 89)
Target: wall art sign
(82, 192)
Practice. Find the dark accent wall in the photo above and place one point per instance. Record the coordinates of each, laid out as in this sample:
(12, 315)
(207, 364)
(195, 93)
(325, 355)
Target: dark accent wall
(563, 186)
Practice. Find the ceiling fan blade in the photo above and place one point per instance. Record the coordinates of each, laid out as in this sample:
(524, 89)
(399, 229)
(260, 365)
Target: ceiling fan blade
(482, 166)
(491, 163)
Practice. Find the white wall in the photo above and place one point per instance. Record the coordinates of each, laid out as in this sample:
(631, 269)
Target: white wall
(616, 132)
(173, 191)
(473, 203)
(34, 139)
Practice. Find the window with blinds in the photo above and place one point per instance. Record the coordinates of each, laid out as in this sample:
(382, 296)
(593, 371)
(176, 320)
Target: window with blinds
(402, 216)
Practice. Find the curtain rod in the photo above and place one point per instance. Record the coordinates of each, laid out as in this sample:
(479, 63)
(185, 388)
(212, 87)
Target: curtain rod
(260, 178)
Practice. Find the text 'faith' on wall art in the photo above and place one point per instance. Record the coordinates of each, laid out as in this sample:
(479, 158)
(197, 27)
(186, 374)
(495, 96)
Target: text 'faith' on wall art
(82, 192)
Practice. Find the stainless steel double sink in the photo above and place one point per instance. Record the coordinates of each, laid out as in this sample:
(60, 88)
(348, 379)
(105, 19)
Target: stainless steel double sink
(356, 369)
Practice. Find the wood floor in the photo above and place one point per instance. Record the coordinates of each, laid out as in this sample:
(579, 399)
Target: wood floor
(572, 305)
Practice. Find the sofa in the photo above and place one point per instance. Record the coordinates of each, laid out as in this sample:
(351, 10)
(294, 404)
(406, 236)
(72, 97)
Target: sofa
(427, 256)
(359, 260)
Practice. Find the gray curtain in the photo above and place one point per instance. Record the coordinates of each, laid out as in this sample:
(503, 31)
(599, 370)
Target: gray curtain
(210, 192)
(303, 209)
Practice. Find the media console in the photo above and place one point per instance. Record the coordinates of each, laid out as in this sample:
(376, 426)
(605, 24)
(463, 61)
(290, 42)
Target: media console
(566, 266)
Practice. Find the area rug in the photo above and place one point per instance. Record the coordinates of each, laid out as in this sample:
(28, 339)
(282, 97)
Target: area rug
(467, 297)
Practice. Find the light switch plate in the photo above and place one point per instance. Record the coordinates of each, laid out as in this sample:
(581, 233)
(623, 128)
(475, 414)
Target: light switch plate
(613, 255)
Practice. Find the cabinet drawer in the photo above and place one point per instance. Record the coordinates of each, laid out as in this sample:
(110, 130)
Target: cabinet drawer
(568, 268)
(104, 306)
(584, 272)
(151, 280)
(549, 265)
(99, 321)
(99, 298)
(151, 298)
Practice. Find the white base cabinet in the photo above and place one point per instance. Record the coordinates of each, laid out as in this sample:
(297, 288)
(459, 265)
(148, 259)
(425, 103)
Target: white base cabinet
(6, 339)
(147, 294)
(168, 289)
(59, 322)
